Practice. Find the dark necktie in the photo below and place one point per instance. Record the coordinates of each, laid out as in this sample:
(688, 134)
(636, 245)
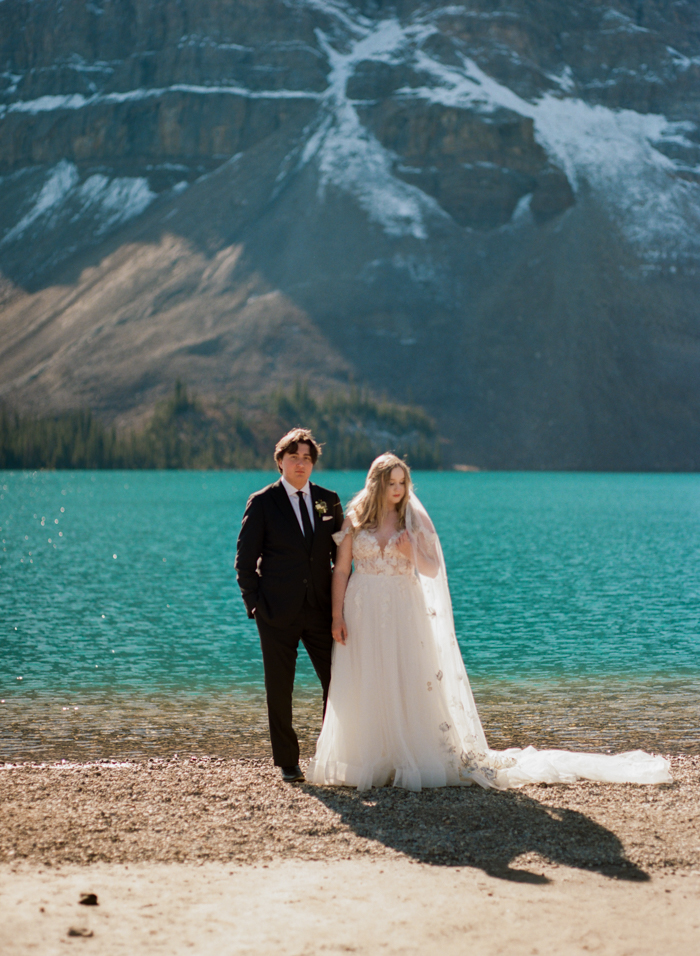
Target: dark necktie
(305, 520)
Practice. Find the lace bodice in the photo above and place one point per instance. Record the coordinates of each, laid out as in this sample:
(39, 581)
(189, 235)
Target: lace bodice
(368, 558)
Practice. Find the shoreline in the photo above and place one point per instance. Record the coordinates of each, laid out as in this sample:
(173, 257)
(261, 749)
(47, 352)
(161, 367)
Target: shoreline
(583, 715)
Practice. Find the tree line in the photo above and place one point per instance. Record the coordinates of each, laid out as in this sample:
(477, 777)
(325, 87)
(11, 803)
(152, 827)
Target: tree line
(189, 434)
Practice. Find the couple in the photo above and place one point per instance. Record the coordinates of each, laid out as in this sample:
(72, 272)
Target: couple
(370, 593)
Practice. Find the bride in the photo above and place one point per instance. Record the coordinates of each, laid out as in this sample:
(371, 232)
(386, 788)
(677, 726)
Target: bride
(400, 709)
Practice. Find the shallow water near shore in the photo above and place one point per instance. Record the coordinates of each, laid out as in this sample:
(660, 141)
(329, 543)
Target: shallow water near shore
(576, 596)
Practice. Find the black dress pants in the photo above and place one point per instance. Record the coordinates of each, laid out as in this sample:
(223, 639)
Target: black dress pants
(279, 651)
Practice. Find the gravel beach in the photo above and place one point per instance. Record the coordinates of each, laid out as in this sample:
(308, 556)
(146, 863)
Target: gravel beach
(200, 809)
(214, 855)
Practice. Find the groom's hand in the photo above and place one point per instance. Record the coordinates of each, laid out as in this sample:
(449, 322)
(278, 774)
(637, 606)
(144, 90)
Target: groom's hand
(339, 630)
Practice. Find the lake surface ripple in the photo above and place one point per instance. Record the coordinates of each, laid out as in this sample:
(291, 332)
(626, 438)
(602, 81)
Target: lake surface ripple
(122, 632)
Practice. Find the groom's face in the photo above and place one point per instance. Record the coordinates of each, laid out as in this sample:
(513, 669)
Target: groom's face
(297, 465)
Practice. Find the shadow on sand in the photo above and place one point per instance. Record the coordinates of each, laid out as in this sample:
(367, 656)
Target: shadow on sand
(487, 830)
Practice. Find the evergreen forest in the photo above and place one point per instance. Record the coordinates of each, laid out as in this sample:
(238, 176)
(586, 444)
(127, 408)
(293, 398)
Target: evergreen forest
(185, 432)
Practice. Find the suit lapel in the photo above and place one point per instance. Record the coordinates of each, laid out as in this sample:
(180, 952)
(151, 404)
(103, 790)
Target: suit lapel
(316, 496)
(318, 518)
(282, 501)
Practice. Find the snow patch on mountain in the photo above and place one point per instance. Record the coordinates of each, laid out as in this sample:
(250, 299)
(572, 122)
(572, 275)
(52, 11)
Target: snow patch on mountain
(46, 104)
(682, 61)
(63, 199)
(114, 200)
(77, 101)
(62, 180)
(612, 151)
(349, 156)
(342, 13)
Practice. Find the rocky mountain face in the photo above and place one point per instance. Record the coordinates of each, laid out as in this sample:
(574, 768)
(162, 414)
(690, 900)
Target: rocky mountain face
(489, 208)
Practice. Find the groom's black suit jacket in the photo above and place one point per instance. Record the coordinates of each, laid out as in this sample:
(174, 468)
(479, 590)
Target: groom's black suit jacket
(275, 569)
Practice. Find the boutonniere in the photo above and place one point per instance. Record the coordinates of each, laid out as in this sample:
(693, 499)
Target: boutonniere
(321, 507)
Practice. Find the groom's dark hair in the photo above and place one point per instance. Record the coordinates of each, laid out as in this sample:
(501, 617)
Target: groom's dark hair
(290, 442)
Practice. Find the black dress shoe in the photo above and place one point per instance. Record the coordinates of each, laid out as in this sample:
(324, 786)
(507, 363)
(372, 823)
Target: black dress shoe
(292, 774)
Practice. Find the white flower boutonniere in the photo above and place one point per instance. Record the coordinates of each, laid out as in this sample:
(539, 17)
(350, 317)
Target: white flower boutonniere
(321, 507)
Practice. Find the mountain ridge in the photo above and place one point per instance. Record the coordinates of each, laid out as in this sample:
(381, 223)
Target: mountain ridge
(462, 206)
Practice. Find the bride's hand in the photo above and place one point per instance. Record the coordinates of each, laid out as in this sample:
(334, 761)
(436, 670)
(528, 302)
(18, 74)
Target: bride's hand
(339, 630)
(403, 544)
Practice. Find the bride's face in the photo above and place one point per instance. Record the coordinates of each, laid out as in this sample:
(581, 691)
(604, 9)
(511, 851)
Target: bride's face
(396, 489)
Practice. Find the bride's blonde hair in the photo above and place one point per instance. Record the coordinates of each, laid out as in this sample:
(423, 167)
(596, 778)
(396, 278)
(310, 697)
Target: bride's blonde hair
(368, 507)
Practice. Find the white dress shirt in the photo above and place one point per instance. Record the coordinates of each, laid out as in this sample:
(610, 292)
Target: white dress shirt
(306, 491)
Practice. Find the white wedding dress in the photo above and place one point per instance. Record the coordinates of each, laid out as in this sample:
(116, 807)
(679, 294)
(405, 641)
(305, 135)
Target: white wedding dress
(400, 709)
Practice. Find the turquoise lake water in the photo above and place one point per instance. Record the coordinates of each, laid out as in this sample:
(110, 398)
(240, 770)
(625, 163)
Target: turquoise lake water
(118, 598)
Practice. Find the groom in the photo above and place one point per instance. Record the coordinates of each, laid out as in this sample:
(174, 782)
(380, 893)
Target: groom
(284, 557)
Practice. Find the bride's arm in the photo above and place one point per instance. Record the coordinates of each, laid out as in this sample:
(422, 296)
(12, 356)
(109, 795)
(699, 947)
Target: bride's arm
(342, 569)
(423, 554)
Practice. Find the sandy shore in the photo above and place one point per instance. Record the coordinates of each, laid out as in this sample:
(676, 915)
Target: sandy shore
(349, 906)
(218, 856)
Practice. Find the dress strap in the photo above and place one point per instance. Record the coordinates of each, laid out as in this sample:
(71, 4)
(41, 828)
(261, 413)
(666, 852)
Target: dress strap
(339, 536)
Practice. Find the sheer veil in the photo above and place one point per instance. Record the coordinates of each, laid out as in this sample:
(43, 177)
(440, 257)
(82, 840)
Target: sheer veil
(464, 736)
